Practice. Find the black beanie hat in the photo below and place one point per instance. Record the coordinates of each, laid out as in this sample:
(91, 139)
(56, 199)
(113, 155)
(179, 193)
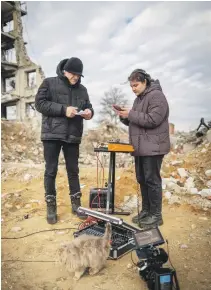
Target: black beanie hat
(74, 65)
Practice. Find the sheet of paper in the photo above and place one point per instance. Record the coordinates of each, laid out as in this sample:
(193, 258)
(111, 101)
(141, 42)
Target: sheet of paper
(80, 112)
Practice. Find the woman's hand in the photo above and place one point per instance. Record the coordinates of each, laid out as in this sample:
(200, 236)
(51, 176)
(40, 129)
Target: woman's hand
(124, 113)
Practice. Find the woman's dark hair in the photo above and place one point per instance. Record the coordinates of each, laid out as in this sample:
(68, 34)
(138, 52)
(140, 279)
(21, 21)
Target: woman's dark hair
(139, 75)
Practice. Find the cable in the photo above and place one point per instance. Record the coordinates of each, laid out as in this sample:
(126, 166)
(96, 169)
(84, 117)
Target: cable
(99, 202)
(98, 181)
(97, 168)
(132, 259)
(16, 238)
(88, 222)
(25, 261)
(93, 201)
(102, 167)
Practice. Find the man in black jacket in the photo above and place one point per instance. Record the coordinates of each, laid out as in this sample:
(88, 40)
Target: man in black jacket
(64, 103)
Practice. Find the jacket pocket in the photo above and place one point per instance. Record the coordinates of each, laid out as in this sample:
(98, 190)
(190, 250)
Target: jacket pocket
(59, 125)
(163, 137)
(46, 124)
(75, 126)
(153, 138)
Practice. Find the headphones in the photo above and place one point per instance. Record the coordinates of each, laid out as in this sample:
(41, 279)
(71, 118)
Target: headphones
(143, 72)
(147, 77)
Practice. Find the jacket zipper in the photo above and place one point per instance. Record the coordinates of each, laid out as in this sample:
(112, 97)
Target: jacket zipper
(69, 104)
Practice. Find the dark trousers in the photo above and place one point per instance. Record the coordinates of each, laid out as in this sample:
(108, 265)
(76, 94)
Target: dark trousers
(51, 155)
(148, 176)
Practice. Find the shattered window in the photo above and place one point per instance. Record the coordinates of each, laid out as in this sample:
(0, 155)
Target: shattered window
(9, 84)
(31, 79)
(9, 26)
(10, 55)
(11, 112)
(30, 110)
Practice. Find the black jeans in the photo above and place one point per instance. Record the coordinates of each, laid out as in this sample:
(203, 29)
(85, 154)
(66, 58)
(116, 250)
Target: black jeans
(51, 155)
(148, 176)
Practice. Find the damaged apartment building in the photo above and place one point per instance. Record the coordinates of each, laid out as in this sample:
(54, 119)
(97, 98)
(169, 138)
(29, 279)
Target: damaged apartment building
(20, 77)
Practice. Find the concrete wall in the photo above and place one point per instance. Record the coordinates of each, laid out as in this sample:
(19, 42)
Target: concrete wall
(23, 93)
(26, 93)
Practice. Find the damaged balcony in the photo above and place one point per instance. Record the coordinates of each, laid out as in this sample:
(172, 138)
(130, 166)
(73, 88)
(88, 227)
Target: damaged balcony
(9, 98)
(8, 67)
(7, 8)
(7, 40)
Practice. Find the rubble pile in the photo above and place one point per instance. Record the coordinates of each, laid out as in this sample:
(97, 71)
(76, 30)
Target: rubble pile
(186, 171)
(100, 136)
(20, 143)
(188, 174)
(187, 141)
(104, 133)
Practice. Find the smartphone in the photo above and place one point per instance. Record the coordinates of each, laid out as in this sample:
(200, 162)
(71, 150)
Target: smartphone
(118, 108)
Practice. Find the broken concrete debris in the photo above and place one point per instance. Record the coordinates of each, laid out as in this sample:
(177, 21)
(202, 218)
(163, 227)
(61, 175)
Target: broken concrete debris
(186, 174)
(16, 229)
(185, 142)
(27, 147)
(182, 172)
(208, 173)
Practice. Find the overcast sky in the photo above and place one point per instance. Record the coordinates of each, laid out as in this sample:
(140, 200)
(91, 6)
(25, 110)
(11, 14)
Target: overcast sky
(170, 40)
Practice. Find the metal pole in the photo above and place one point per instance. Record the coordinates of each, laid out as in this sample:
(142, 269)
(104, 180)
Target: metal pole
(109, 185)
(113, 180)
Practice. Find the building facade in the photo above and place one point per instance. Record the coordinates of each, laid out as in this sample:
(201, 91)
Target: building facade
(20, 77)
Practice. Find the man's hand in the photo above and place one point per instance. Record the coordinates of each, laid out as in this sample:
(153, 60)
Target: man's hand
(71, 112)
(124, 113)
(87, 115)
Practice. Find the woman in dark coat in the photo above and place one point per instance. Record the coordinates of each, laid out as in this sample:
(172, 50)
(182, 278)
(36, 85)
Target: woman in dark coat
(149, 135)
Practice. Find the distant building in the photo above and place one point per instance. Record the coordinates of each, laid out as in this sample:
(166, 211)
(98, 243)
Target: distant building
(20, 77)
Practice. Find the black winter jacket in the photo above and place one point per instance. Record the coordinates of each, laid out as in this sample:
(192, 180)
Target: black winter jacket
(53, 97)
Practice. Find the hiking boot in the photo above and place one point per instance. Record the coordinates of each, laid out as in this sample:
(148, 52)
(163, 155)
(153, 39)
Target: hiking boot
(140, 216)
(76, 203)
(151, 221)
(51, 209)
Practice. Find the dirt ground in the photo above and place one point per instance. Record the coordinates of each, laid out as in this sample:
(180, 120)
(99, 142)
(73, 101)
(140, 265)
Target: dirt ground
(187, 230)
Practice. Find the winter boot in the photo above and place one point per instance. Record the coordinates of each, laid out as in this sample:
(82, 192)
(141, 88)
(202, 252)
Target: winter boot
(143, 213)
(145, 206)
(154, 219)
(151, 221)
(51, 209)
(76, 202)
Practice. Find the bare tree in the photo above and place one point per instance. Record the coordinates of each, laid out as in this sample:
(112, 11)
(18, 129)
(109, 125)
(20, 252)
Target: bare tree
(114, 96)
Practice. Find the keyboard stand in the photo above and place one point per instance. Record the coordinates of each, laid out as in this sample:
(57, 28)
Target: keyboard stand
(110, 204)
